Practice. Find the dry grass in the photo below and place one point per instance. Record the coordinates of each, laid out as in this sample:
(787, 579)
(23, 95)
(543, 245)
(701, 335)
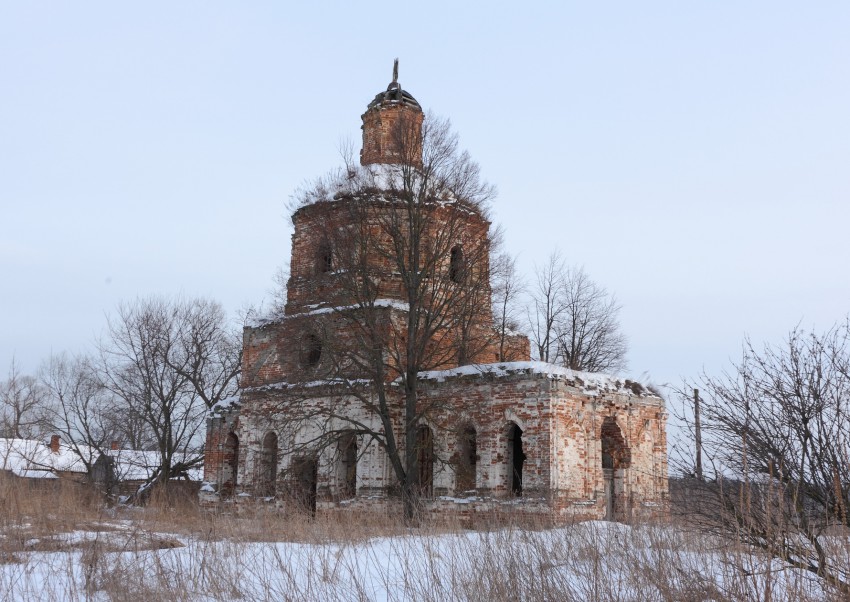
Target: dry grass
(62, 544)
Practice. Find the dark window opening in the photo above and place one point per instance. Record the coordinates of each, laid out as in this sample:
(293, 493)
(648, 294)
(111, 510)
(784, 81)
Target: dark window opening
(324, 258)
(457, 267)
(516, 459)
(311, 351)
(425, 458)
(348, 465)
(467, 464)
(268, 466)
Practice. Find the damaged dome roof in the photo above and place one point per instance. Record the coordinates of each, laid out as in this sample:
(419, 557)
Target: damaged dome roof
(394, 94)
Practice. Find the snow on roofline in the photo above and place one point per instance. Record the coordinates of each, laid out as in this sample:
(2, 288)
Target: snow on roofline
(22, 455)
(226, 404)
(315, 310)
(328, 382)
(34, 474)
(33, 459)
(591, 383)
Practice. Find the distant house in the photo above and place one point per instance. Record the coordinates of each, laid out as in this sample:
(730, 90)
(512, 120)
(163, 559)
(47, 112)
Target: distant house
(31, 459)
(119, 471)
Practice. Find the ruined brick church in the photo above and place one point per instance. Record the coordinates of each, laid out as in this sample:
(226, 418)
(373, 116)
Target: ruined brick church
(324, 418)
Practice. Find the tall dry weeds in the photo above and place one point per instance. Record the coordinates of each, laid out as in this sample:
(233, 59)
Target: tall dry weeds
(182, 553)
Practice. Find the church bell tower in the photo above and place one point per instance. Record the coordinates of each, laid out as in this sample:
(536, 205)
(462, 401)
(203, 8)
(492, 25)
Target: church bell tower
(392, 127)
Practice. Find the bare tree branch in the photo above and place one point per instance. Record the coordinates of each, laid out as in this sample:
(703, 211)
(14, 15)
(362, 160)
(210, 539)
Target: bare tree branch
(508, 290)
(23, 408)
(574, 321)
(167, 363)
(776, 434)
(82, 411)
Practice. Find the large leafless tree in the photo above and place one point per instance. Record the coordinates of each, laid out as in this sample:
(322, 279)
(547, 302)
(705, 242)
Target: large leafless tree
(23, 406)
(775, 433)
(414, 223)
(574, 321)
(166, 363)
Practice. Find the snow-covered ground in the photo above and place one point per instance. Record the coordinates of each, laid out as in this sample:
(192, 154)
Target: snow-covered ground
(589, 561)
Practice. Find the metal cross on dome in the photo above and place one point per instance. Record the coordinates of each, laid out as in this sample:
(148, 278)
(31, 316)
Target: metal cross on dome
(395, 71)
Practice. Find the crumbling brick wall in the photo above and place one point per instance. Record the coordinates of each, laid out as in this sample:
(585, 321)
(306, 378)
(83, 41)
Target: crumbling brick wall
(563, 424)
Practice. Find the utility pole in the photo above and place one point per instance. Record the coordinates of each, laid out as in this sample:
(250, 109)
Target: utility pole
(698, 436)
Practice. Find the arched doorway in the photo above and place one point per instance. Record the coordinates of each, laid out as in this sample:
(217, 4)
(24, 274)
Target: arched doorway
(268, 466)
(616, 459)
(305, 477)
(425, 460)
(347, 465)
(229, 465)
(516, 459)
(467, 460)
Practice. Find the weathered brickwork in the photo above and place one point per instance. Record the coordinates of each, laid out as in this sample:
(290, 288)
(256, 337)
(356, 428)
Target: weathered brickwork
(392, 121)
(498, 434)
(323, 240)
(569, 422)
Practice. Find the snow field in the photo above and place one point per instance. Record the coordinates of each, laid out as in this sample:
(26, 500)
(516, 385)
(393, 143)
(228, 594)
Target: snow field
(588, 561)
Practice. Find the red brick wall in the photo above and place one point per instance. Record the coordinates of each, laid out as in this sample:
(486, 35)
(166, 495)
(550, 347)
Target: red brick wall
(392, 133)
(272, 351)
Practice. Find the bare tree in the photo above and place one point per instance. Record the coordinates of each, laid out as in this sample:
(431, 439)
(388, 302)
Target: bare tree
(776, 451)
(81, 409)
(589, 336)
(547, 307)
(508, 289)
(574, 321)
(22, 405)
(407, 251)
(211, 359)
(167, 363)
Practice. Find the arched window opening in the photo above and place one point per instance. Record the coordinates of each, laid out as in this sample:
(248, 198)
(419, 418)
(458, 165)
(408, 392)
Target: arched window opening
(267, 485)
(348, 465)
(615, 454)
(457, 265)
(324, 258)
(467, 464)
(425, 457)
(516, 459)
(229, 465)
(311, 351)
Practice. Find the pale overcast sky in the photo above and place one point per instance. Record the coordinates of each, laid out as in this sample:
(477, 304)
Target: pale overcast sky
(693, 156)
